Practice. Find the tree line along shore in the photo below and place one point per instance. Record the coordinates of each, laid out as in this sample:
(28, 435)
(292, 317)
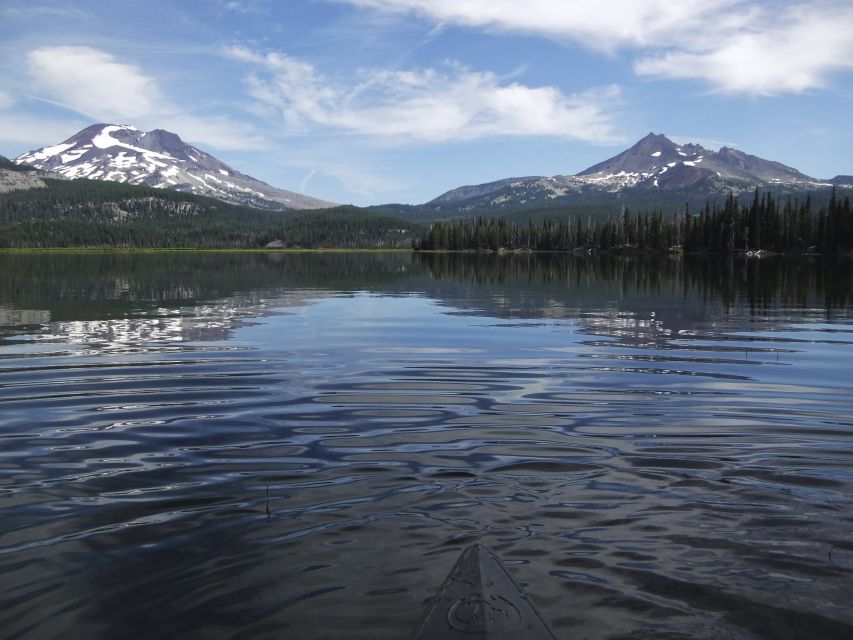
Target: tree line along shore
(765, 225)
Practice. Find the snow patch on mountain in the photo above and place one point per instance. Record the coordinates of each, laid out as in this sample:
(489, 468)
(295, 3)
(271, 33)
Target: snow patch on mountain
(50, 152)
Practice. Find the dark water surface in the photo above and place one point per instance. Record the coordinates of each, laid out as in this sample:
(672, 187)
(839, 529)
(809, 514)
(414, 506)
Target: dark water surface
(656, 449)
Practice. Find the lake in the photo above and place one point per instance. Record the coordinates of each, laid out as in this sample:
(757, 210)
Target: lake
(248, 445)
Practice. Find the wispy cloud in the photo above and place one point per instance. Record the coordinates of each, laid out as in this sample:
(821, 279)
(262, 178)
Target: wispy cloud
(303, 184)
(36, 12)
(453, 103)
(366, 182)
(603, 25)
(709, 143)
(93, 83)
(753, 47)
(244, 6)
(24, 131)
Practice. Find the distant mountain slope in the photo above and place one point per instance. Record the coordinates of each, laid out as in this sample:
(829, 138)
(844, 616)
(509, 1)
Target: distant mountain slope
(14, 177)
(122, 153)
(654, 173)
(477, 191)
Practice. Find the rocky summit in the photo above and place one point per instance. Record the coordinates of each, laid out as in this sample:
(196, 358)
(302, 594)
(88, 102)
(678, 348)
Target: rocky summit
(656, 162)
(158, 158)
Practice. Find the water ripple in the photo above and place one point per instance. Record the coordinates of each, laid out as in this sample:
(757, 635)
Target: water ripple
(307, 458)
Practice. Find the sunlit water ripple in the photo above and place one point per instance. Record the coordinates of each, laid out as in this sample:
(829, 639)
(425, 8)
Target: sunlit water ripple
(300, 447)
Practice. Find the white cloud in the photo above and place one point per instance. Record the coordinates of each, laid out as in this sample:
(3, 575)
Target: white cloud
(796, 56)
(753, 47)
(93, 83)
(426, 104)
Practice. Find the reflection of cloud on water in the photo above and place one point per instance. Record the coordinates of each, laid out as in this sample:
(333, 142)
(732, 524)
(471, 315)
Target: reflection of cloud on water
(125, 331)
(211, 322)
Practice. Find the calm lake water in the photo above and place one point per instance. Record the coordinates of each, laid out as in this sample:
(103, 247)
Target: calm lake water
(655, 448)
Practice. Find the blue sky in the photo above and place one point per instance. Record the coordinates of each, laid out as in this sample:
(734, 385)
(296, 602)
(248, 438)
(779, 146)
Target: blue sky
(375, 101)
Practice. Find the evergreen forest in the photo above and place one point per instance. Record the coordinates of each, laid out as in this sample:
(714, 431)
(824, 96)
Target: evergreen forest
(87, 213)
(765, 224)
(90, 213)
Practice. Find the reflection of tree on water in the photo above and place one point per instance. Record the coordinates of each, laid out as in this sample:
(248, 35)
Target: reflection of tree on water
(90, 286)
(824, 283)
(145, 290)
(118, 300)
(759, 284)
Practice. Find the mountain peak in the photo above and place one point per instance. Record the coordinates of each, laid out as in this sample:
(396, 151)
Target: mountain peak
(656, 162)
(158, 158)
(653, 143)
(650, 154)
(655, 137)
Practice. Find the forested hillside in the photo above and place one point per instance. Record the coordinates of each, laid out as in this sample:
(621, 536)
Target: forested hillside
(88, 213)
(78, 213)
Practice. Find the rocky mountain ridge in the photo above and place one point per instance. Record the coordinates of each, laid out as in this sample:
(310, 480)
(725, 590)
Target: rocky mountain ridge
(655, 168)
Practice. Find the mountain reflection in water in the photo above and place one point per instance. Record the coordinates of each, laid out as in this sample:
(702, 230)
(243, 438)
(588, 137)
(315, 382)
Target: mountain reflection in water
(655, 447)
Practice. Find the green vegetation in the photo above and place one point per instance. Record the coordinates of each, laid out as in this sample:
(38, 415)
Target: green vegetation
(768, 225)
(89, 213)
(763, 225)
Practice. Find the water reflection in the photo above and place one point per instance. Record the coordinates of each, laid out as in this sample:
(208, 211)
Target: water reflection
(39, 288)
(657, 448)
(741, 285)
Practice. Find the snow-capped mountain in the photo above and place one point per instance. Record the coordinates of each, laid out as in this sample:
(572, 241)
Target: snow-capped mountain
(654, 168)
(123, 153)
